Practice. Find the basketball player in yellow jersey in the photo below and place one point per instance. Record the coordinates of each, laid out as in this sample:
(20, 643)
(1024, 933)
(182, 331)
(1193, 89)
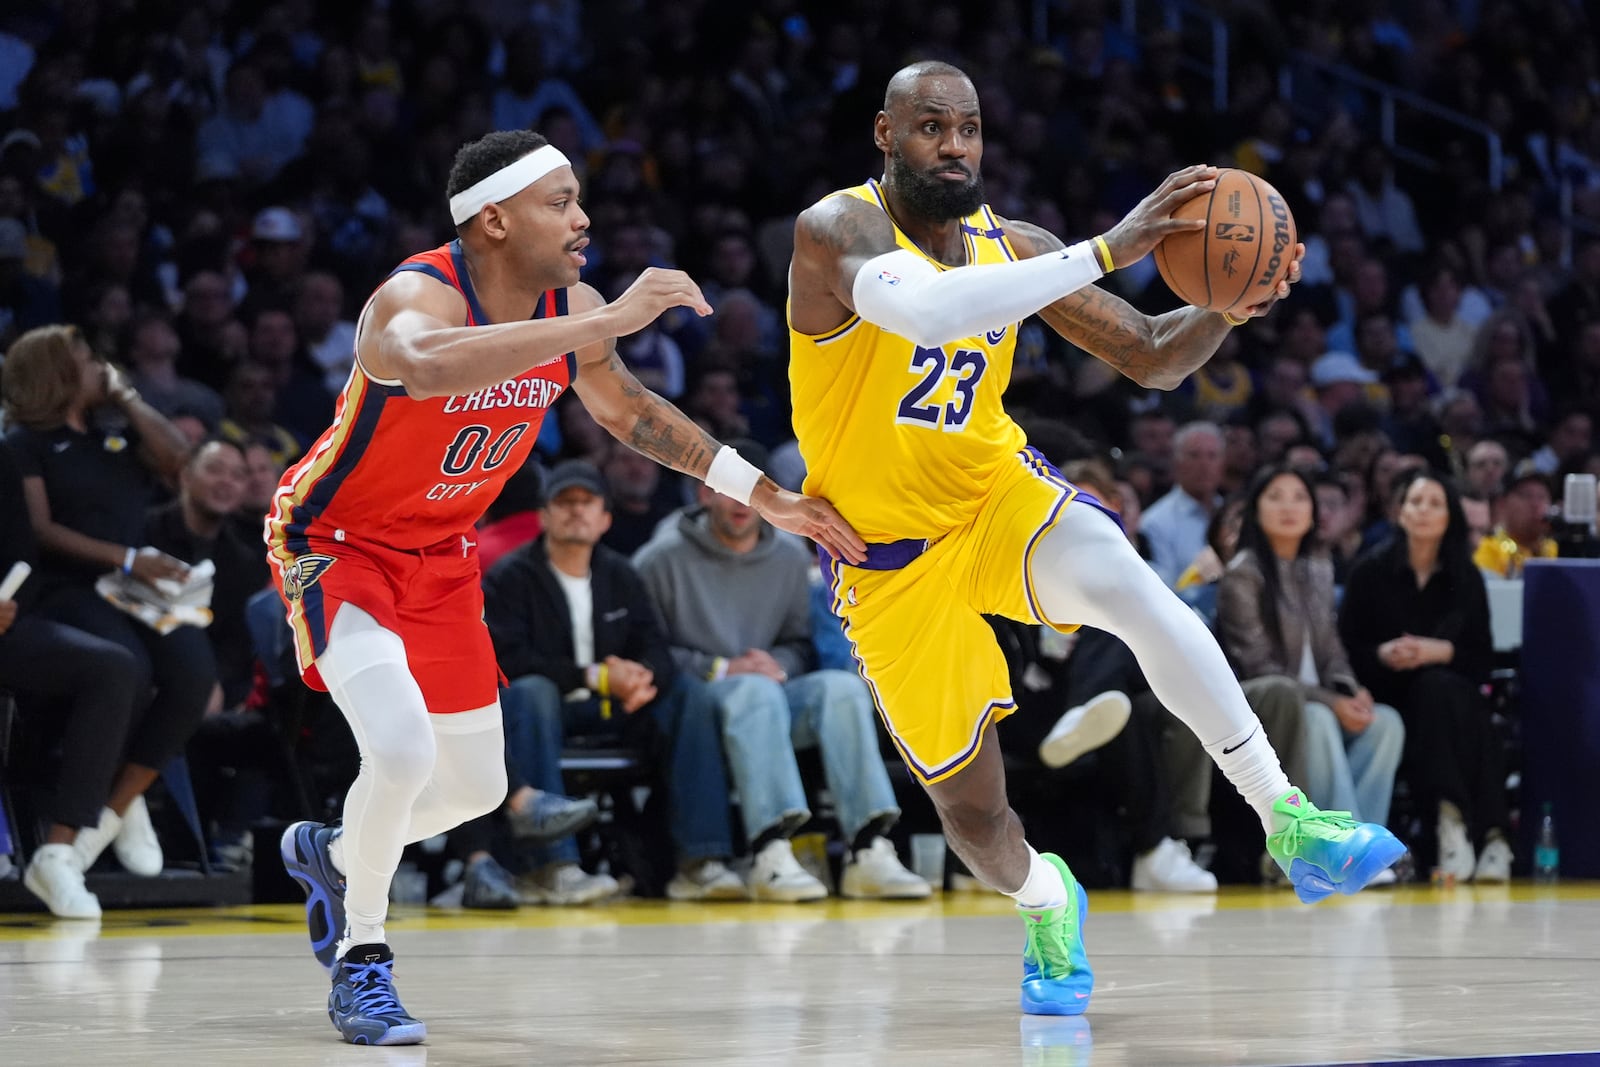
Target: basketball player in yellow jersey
(905, 294)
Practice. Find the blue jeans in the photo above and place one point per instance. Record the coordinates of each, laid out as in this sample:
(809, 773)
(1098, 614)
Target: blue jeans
(538, 721)
(764, 722)
(1353, 772)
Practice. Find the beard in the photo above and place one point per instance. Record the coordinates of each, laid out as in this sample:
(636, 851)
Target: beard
(933, 198)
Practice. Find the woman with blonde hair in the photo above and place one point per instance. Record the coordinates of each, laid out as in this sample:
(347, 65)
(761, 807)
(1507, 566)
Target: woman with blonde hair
(91, 455)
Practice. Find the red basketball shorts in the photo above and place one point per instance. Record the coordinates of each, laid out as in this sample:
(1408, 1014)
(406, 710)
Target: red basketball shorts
(431, 598)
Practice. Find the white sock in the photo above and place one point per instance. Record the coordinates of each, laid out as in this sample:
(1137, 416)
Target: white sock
(336, 851)
(1043, 888)
(1252, 766)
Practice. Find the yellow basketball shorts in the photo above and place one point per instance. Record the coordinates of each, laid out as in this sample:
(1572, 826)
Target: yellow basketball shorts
(914, 615)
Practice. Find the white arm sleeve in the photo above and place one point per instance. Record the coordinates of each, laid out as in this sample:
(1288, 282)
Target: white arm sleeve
(905, 294)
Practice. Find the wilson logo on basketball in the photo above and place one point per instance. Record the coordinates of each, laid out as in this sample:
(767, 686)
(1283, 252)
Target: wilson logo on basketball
(1280, 239)
(1234, 231)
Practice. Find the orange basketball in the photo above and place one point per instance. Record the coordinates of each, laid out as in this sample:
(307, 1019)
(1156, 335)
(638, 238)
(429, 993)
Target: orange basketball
(1242, 254)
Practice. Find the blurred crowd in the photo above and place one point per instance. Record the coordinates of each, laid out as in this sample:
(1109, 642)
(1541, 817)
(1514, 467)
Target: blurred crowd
(208, 192)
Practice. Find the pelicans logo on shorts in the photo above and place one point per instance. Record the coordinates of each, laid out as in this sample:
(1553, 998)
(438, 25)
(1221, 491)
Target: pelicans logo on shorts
(304, 573)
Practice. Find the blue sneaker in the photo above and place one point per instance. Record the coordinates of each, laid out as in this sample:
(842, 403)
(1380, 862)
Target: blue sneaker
(552, 817)
(362, 1004)
(304, 848)
(1327, 852)
(1056, 977)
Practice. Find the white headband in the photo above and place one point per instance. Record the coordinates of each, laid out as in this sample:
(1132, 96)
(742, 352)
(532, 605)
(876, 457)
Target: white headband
(506, 182)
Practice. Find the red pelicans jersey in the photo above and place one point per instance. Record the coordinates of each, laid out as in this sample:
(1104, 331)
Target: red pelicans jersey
(379, 513)
(413, 473)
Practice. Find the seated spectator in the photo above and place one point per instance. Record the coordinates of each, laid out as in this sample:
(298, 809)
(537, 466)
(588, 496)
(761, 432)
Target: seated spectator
(1197, 585)
(1480, 519)
(1570, 439)
(1338, 526)
(576, 632)
(1175, 525)
(642, 493)
(263, 472)
(735, 598)
(303, 405)
(92, 680)
(195, 527)
(1488, 463)
(330, 339)
(1415, 620)
(1275, 616)
(1523, 530)
(1443, 336)
(513, 519)
(26, 301)
(252, 398)
(87, 491)
(153, 365)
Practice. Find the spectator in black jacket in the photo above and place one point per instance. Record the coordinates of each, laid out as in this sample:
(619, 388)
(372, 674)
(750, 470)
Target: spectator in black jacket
(1415, 620)
(574, 628)
(86, 681)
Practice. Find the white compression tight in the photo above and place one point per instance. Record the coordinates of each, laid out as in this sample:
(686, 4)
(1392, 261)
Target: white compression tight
(1085, 571)
(421, 774)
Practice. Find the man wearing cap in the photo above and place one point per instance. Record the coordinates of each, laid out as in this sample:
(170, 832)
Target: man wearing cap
(1340, 381)
(278, 252)
(736, 599)
(1523, 532)
(575, 630)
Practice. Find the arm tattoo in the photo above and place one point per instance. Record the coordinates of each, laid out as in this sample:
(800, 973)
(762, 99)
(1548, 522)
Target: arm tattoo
(1156, 352)
(668, 436)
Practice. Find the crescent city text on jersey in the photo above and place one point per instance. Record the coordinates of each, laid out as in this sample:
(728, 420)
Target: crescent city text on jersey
(517, 393)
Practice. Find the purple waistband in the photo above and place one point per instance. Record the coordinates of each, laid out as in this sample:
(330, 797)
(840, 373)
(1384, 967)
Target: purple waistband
(885, 557)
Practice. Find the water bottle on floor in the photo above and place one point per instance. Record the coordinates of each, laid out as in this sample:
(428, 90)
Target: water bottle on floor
(1546, 851)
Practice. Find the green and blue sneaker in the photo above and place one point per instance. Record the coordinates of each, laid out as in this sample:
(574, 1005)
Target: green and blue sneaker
(1327, 852)
(1056, 977)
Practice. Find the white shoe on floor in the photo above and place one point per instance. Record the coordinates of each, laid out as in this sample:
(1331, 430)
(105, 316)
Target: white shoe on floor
(876, 873)
(1085, 728)
(1494, 862)
(1169, 868)
(1455, 848)
(1383, 877)
(569, 884)
(93, 840)
(777, 875)
(53, 875)
(706, 880)
(137, 847)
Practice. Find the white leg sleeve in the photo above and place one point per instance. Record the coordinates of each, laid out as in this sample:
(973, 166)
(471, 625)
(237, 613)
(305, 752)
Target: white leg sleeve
(469, 776)
(1085, 571)
(366, 672)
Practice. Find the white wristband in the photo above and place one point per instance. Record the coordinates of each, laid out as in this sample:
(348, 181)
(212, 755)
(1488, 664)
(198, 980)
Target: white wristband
(732, 475)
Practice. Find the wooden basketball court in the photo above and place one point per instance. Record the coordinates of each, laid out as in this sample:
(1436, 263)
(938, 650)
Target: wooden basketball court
(1500, 975)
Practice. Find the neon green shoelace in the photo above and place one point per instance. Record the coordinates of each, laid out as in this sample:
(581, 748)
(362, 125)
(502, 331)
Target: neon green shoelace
(1302, 828)
(1047, 942)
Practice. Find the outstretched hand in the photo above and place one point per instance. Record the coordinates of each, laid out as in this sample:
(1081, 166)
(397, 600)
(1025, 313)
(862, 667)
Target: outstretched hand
(813, 517)
(1151, 221)
(656, 290)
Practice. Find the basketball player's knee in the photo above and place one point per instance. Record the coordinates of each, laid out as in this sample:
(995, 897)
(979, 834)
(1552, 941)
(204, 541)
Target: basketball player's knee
(974, 819)
(402, 760)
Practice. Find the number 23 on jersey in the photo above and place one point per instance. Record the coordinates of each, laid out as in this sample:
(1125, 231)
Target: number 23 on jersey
(932, 366)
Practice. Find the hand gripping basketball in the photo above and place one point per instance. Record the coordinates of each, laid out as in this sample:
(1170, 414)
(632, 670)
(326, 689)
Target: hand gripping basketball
(1151, 221)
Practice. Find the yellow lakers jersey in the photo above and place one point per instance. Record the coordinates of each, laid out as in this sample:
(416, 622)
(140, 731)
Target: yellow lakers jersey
(906, 441)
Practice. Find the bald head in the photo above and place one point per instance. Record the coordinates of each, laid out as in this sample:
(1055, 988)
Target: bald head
(904, 86)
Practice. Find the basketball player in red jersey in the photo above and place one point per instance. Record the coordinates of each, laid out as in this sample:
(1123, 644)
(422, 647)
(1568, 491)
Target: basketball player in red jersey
(459, 354)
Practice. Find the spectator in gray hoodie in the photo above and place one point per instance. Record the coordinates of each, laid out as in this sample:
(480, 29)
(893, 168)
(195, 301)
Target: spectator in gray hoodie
(734, 596)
